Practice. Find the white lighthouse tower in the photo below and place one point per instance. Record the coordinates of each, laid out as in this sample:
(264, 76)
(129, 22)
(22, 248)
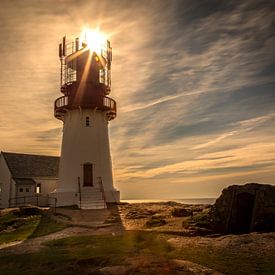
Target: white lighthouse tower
(85, 170)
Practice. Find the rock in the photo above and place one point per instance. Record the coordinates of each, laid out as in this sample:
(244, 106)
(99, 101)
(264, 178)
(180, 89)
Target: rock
(245, 208)
(181, 212)
(199, 220)
(118, 269)
(139, 214)
(158, 216)
(30, 211)
(154, 222)
(187, 267)
(200, 231)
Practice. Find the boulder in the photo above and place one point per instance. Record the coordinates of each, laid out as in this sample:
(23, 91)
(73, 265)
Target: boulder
(139, 214)
(245, 208)
(155, 222)
(181, 212)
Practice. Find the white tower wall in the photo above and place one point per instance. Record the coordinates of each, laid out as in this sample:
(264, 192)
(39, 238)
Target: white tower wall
(84, 144)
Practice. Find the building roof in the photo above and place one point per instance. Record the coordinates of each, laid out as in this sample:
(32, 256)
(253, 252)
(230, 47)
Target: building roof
(24, 181)
(30, 166)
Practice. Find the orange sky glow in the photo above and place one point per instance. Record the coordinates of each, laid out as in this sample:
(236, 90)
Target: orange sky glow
(194, 87)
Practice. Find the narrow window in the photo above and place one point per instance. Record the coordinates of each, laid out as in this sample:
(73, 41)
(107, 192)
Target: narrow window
(102, 76)
(87, 174)
(0, 187)
(38, 188)
(20, 189)
(27, 189)
(87, 121)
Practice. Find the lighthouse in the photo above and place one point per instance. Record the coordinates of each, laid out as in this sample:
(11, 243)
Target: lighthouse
(85, 169)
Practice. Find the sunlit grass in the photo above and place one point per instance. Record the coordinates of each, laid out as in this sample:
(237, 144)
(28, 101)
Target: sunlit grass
(84, 254)
(22, 229)
(228, 262)
(77, 255)
(15, 228)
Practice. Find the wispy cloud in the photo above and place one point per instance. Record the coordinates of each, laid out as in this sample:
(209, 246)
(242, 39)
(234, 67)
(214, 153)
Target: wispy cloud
(194, 86)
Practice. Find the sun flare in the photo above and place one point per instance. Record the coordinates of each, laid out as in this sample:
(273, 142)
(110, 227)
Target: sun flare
(94, 39)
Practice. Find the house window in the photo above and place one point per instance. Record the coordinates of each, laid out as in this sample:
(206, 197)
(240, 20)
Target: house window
(87, 121)
(27, 189)
(20, 189)
(88, 174)
(38, 188)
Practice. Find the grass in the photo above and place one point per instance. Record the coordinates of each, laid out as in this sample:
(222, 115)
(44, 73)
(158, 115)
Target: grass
(199, 220)
(18, 228)
(47, 226)
(228, 262)
(24, 230)
(86, 254)
(78, 255)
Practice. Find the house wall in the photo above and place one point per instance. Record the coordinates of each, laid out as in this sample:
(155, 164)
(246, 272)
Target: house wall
(25, 190)
(5, 181)
(48, 185)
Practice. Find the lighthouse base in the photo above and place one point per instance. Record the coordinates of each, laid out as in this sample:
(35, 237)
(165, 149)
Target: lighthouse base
(88, 198)
(65, 198)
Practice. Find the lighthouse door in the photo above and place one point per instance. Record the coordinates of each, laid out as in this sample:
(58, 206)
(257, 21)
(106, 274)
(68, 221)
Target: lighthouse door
(88, 174)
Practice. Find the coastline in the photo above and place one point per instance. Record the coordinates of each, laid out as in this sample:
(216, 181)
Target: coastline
(186, 201)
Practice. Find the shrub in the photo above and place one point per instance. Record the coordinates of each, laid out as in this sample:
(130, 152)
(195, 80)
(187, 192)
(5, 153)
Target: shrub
(181, 212)
(199, 220)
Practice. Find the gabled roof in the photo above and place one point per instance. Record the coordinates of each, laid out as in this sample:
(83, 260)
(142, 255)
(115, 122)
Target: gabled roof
(24, 181)
(29, 166)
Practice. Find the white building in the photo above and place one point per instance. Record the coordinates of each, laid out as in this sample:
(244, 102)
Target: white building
(85, 167)
(85, 170)
(27, 179)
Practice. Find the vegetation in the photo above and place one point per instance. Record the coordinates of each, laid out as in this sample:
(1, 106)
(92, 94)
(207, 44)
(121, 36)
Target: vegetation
(201, 220)
(46, 226)
(17, 229)
(228, 262)
(16, 225)
(142, 251)
(86, 254)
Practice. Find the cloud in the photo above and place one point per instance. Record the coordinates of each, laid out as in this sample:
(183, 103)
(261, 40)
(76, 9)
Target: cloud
(193, 82)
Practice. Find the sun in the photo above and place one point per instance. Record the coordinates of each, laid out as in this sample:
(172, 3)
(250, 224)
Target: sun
(93, 39)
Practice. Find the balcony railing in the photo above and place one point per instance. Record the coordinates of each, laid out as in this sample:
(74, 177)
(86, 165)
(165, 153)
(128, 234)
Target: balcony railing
(62, 104)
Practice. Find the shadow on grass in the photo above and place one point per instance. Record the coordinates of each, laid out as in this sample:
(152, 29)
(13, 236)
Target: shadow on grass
(47, 225)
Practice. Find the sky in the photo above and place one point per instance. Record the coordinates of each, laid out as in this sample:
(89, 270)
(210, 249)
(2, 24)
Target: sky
(193, 80)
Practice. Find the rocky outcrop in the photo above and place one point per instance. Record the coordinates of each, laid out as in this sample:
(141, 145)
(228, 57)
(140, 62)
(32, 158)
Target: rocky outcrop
(245, 208)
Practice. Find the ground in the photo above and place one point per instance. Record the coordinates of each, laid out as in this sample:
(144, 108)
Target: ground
(145, 238)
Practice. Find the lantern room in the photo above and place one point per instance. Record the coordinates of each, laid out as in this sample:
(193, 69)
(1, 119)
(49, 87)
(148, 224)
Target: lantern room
(85, 76)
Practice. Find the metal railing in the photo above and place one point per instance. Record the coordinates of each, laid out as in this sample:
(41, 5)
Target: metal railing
(101, 187)
(102, 103)
(38, 200)
(79, 191)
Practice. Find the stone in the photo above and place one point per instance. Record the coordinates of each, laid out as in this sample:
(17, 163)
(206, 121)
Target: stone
(154, 222)
(245, 208)
(139, 214)
(181, 212)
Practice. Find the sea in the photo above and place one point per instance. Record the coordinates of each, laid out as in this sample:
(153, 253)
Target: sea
(184, 201)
